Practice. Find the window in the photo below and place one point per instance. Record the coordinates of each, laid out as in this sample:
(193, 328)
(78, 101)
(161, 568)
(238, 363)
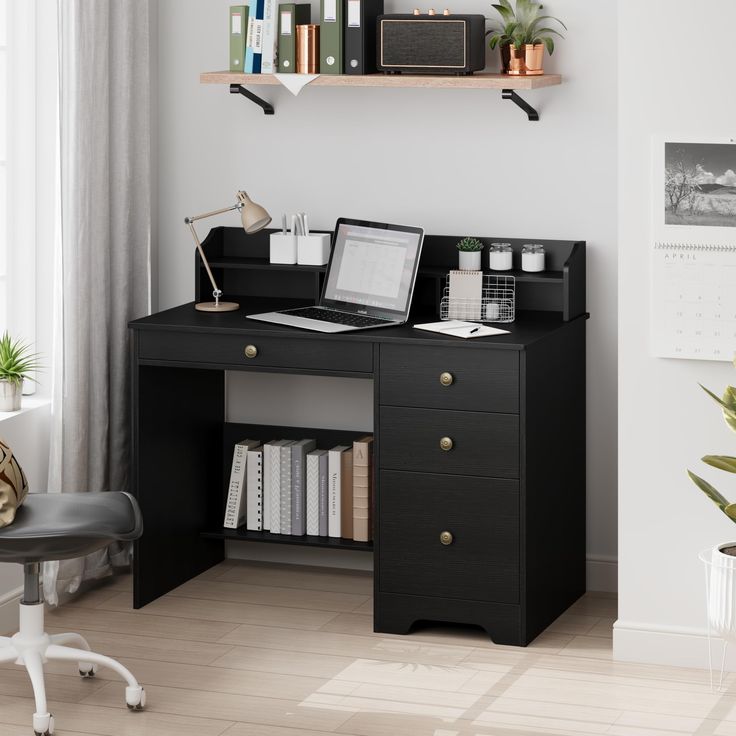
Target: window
(3, 160)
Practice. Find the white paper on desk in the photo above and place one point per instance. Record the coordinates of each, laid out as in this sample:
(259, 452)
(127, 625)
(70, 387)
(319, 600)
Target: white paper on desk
(295, 83)
(458, 328)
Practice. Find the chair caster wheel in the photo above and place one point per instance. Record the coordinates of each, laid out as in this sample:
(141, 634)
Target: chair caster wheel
(87, 669)
(135, 698)
(43, 725)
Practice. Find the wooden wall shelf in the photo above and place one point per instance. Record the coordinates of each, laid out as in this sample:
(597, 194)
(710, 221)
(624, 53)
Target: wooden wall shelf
(485, 80)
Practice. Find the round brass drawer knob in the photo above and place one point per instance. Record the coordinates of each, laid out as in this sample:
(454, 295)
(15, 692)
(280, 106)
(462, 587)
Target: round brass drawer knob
(446, 444)
(446, 538)
(251, 351)
(447, 379)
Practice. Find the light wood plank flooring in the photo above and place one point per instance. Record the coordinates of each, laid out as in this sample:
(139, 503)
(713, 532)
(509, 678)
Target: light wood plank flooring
(251, 649)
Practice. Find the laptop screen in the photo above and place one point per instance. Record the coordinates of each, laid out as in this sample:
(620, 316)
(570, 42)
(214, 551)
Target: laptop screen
(373, 266)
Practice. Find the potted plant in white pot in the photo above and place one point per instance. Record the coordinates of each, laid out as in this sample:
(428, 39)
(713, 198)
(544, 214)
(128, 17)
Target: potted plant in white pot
(470, 251)
(522, 36)
(722, 558)
(17, 362)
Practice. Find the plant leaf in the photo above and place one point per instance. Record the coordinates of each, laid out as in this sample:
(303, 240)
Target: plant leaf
(722, 462)
(709, 491)
(729, 413)
(550, 44)
(730, 511)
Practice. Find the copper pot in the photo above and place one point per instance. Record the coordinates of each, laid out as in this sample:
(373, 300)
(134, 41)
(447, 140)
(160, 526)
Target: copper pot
(526, 61)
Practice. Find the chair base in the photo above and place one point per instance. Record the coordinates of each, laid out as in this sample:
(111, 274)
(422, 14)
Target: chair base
(31, 647)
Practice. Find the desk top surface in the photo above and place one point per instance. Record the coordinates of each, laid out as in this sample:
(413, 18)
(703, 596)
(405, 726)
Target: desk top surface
(529, 327)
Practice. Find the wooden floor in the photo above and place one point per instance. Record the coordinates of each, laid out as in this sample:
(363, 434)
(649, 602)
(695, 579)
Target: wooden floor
(252, 649)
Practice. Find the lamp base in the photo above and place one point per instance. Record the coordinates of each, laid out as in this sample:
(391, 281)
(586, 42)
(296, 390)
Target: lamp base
(215, 307)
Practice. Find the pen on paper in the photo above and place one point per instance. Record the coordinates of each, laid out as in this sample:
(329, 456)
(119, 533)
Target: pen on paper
(475, 329)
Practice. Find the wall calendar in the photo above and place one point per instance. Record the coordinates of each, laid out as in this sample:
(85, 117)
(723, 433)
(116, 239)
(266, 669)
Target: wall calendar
(693, 250)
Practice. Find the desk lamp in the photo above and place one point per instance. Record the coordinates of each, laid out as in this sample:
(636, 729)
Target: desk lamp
(254, 218)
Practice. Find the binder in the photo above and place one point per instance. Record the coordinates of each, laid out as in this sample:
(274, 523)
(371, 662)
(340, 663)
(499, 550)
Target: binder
(254, 490)
(346, 494)
(290, 16)
(272, 468)
(361, 21)
(334, 498)
(235, 506)
(238, 30)
(285, 453)
(270, 37)
(331, 37)
(254, 40)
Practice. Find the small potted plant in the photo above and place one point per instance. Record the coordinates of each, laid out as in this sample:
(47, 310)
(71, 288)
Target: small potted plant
(17, 362)
(470, 251)
(522, 36)
(722, 558)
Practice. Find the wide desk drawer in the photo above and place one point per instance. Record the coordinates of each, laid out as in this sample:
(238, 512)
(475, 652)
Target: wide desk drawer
(450, 378)
(450, 537)
(457, 442)
(252, 351)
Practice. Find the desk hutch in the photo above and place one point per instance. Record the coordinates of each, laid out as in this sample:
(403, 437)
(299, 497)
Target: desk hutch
(510, 491)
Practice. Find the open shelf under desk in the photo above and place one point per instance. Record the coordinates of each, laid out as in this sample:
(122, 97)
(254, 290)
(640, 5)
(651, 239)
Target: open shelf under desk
(243, 535)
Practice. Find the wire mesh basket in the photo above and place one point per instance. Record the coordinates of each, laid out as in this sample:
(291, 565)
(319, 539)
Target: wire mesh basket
(497, 302)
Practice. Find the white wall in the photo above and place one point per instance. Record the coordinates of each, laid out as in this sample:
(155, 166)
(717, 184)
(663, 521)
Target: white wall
(666, 423)
(457, 162)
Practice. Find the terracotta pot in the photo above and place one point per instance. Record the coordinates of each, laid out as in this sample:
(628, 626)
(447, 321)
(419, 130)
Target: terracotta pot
(10, 392)
(526, 61)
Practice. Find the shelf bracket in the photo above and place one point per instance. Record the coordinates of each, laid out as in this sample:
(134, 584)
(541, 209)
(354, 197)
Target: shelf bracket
(238, 89)
(510, 94)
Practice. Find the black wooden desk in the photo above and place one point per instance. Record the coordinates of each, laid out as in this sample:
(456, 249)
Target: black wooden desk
(511, 491)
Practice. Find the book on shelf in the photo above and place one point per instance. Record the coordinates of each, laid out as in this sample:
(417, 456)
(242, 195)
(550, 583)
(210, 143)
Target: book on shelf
(334, 496)
(346, 494)
(285, 453)
(299, 452)
(314, 459)
(254, 38)
(272, 469)
(235, 506)
(238, 30)
(270, 36)
(254, 490)
(363, 489)
(323, 493)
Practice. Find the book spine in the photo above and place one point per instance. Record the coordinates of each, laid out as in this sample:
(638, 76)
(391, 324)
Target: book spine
(363, 490)
(298, 500)
(238, 28)
(266, 487)
(346, 494)
(268, 58)
(248, 65)
(286, 489)
(312, 491)
(258, 37)
(235, 489)
(333, 497)
(323, 501)
(275, 482)
(254, 490)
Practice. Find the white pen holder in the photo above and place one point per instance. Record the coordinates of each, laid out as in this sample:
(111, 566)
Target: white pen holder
(312, 250)
(282, 248)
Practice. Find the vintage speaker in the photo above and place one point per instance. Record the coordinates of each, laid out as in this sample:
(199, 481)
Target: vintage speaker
(431, 44)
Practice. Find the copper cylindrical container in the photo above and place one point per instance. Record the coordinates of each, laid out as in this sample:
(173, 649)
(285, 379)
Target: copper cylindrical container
(307, 49)
(526, 61)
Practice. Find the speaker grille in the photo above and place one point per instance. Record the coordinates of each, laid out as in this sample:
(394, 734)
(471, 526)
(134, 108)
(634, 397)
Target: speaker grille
(424, 43)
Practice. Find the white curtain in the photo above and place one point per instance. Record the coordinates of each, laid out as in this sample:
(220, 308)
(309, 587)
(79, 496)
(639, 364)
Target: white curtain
(103, 258)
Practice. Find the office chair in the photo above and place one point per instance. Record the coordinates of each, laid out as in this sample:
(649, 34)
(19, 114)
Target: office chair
(59, 527)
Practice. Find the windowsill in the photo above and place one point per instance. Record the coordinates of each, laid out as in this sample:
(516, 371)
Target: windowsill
(27, 405)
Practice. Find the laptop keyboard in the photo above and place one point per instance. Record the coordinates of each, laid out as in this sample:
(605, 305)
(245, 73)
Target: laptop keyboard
(339, 318)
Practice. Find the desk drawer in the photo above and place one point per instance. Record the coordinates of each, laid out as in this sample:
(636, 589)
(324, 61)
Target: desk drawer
(479, 561)
(481, 444)
(450, 378)
(270, 352)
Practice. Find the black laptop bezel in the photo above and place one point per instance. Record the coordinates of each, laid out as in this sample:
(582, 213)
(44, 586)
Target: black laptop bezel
(390, 314)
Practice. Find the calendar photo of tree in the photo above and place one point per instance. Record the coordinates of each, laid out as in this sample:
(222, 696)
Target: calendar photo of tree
(700, 184)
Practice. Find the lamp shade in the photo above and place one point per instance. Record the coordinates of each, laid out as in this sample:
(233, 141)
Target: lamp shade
(253, 216)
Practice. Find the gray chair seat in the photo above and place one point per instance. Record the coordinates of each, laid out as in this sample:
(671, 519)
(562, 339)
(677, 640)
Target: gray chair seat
(59, 526)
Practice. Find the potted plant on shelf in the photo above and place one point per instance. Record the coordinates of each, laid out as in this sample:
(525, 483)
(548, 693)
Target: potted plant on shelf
(470, 251)
(722, 558)
(17, 362)
(522, 36)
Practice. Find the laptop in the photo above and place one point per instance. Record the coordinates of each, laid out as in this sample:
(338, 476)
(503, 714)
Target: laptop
(369, 281)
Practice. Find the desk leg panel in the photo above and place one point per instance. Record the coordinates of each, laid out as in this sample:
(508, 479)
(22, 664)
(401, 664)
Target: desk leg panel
(177, 471)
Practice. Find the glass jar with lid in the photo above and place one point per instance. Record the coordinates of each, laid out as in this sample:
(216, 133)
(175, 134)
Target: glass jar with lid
(532, 257)
(500, 257)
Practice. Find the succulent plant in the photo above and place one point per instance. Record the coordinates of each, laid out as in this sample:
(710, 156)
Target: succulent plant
(16, 360)
(470, 245)
(523, 25)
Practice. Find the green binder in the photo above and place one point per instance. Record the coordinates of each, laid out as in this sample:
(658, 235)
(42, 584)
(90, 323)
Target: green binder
(330, 37)
(290, 16)
(238, 32)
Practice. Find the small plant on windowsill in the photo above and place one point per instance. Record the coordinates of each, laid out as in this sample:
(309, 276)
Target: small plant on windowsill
(17, 362)
(470, 250)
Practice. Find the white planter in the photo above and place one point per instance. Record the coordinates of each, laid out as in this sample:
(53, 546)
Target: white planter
(10, 393)
(470, 260)
(721, 572)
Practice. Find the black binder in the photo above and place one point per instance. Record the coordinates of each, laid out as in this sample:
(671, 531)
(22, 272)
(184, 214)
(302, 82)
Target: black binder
(360, 18)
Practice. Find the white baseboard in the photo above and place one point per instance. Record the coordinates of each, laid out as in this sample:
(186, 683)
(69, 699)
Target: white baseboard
(9, 611)
(667, 645)
(601, 573)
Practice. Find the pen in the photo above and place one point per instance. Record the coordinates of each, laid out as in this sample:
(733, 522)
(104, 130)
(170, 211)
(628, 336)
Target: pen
(306, 223)
(293, 225)
(475, 329)
(283, 223)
